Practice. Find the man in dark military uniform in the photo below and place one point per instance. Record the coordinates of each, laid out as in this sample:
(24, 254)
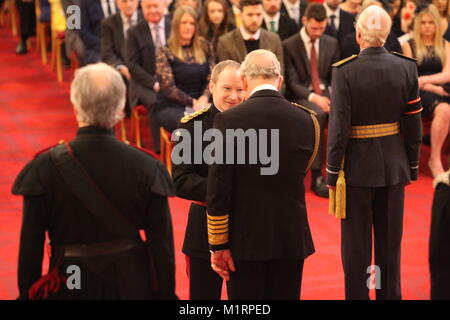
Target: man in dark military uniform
(257, 222)
(190, 179)
(111, 259)
(375, 130)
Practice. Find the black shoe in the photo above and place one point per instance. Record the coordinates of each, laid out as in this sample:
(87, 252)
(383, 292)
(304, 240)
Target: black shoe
(21, 47)
(319, 187)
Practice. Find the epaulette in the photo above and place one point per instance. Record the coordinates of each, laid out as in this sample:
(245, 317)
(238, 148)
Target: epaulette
(344, 61)
(305, 108)
(403, 56)
(191, 116)
(47, 149)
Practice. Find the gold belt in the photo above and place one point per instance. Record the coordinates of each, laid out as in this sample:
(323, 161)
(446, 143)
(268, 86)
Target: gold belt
(374, 131)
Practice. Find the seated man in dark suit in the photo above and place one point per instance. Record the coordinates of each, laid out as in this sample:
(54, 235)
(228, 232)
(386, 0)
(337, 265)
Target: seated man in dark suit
(309, 56)
(92, 14)
(140, 55)
(340, 22)
(295, 9)
(276, 21)
(114, 29)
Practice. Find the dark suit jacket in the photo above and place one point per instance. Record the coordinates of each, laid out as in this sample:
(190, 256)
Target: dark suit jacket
(140, 57)
(345, 26)
(389, 94)
(113, 40)
(287, 27)
(267, 213)
(232, 46)
(303, 5)
(91, 18)
(298, 70)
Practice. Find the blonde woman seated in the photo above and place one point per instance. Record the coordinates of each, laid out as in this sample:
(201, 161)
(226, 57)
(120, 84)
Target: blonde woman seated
(427, 46)
(184, 66)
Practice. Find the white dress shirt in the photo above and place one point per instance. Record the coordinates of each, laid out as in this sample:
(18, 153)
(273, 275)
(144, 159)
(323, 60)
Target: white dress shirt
(293, 10)
(268, 19)
(331, 12)
(263, 87)
(247, 36)
(112, 5)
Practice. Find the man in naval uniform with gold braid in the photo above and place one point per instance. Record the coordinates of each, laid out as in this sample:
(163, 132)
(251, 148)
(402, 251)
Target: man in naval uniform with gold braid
(257, 224)
(375, 134)
(190, 180)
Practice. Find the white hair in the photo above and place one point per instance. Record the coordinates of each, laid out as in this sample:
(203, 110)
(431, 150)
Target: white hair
(98, 94)
(374, 25)
(261, 63)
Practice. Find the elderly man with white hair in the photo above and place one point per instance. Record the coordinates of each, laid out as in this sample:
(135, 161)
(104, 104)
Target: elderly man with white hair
(373, 152)
(258, 229)
(92, 196)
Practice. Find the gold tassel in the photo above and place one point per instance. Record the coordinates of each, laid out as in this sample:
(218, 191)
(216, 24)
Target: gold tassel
(332, 202)
(340, 199)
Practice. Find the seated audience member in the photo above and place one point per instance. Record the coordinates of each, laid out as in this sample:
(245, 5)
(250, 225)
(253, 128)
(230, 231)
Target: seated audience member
(236, 44)
(214, 21)
(92, 14)
(309, 55)
(184, 66)
(92, 196)
(349, 46)
(351, 6)
(194, 4)
(295, 9)
(443, 8)
(394, 12)
(407, 14)
(439, 255)
(58, 25)
(234, 12)
(113, 32)
(428, 48)
(72, 41)
(276, 21)
(142, 41)
(340, 22)
(27, 17)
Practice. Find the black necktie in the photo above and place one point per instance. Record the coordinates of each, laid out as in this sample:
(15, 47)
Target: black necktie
(333, 26)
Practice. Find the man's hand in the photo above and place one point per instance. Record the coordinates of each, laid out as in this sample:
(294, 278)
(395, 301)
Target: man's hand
(156, 87)
(322, 102)
(124, 72)
(222, 263)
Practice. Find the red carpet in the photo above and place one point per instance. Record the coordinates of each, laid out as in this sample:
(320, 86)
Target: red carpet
(35, 112)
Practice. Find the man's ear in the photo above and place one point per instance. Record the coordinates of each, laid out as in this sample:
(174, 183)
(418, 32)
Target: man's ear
(211, 86)
(280, 83)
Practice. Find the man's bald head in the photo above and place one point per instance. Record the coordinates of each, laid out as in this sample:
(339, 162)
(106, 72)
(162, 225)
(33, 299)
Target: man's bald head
(98, 95)
(373, 26)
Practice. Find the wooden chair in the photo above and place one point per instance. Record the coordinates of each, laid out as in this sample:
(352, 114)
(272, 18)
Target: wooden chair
(56, 61)
(166, 146)
(41, 30)
(136, 115)
(13, 17)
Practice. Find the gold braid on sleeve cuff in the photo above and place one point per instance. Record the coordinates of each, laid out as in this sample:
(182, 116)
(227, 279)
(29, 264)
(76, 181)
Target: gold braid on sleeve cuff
(217, 229)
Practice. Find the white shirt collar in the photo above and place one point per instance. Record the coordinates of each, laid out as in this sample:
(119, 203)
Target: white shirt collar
(161, 24)
(134, 17)
(289, 5)
(246, 36)
(261, 87)
(307, 39)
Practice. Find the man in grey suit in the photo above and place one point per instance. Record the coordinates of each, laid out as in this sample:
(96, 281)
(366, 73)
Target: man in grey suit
(308, 57)
(236, 44)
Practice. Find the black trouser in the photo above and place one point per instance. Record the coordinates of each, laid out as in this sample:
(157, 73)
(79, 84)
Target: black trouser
(204, 283)
(27, 18)
(440, 244)
(381, 208)
(267, 280)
